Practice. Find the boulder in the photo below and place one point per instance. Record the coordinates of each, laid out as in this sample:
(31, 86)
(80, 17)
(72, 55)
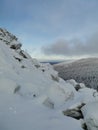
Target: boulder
(90, 113)
(16, 46)
(75, 112)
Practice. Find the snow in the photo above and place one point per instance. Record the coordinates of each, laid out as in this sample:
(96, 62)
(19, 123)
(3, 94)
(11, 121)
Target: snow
(32, 96)
(90, 112)
(21, 114)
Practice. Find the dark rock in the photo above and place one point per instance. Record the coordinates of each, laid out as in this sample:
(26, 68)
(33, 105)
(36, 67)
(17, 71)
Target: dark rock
(37, 66)
(17, 89)
(23, 66)
(75, 112)
(22, 54)
(16, 46)
(18, 59)
(84, 126)
(34, 95)
(43, 70)
(77, 87)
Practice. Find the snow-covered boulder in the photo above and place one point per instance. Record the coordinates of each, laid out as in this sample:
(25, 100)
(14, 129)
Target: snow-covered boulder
(90, 113)
(76, 85)
(72, 81)
(59, 95)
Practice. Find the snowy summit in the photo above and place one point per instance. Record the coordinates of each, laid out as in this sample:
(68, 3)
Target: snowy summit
(34, 97)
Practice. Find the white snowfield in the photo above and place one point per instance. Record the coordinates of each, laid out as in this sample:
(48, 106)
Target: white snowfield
(32, 96)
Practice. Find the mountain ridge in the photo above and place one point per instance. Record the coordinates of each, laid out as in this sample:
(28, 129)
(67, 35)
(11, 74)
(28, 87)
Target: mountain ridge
(83, 70)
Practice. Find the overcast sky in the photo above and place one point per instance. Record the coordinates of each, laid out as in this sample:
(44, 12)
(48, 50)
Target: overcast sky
(53, 29)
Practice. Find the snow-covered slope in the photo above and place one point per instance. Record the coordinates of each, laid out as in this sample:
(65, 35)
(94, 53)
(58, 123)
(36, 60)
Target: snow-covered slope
(84, 70)
(32, 96)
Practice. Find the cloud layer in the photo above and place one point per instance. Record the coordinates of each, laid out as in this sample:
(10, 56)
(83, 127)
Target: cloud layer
(37, 22)
(74, 47)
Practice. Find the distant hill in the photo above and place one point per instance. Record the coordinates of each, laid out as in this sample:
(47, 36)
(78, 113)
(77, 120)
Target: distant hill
(84, 70)
(51, 62)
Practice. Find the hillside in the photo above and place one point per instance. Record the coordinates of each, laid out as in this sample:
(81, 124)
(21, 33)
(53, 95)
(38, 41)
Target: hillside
(34, 97)
(84, 70)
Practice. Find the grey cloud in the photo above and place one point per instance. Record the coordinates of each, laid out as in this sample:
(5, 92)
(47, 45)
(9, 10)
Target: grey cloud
(74, 47)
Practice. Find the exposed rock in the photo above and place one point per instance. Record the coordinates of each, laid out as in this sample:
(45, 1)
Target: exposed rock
(75, 112)
(22, 54)
(43, 70)
(18, 59)
(77, 87)
(95, 94)
(5, 34)
(37, 66)
(84, 126)
(23, 66)
(16, 46)
(34, 95)
(17, 89)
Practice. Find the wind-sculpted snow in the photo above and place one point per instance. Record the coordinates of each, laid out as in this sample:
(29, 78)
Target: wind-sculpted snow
(32, 95)
(84, 70)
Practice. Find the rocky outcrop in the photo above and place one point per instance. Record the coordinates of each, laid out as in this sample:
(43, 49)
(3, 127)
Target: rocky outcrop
(16, 46)
(76, 85)
(6, 36)
(75, 112)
